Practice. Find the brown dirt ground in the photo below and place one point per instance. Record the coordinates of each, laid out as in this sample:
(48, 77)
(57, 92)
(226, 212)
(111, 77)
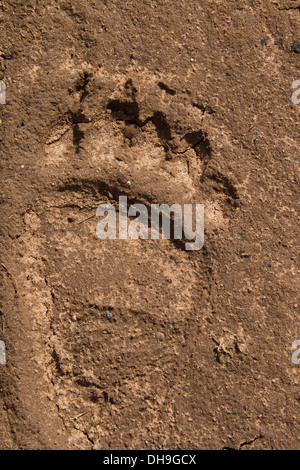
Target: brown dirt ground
(198, 353)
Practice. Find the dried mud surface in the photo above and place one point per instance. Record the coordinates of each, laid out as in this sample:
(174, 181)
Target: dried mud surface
(165, 102)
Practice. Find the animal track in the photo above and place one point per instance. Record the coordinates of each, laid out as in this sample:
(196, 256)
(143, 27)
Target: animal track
(144, 145)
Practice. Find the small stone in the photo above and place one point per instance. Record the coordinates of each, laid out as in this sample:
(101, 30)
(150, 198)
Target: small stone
(296, 46)
(108, 315)
(2, 353)
(160, 336)
(96, 447)
(130, 131)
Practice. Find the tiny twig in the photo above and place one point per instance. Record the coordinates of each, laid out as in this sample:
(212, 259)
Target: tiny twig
(87, 218)
(79, 416)
(256, 138)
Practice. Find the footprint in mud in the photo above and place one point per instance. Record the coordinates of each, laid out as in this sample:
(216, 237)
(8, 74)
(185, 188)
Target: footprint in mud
(132, 136)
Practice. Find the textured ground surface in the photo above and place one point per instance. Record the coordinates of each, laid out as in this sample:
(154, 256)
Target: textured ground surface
(165, 102)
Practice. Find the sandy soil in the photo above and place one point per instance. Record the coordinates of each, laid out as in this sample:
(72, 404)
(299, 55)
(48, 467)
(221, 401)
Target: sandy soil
(165, 102)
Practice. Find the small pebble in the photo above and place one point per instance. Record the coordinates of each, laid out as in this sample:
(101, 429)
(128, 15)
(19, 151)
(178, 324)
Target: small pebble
(130, 131)
(160, 336)
(96, 447)
(108, 315)
(2, 353)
